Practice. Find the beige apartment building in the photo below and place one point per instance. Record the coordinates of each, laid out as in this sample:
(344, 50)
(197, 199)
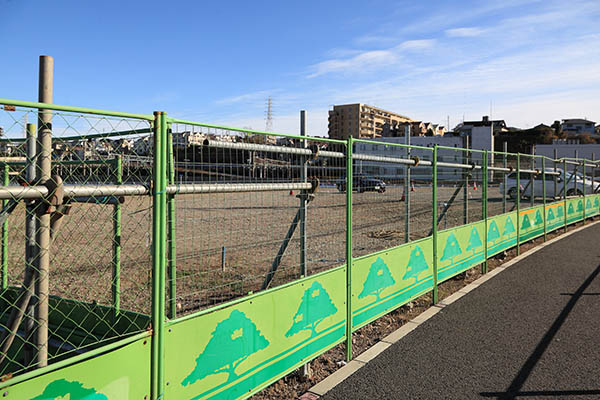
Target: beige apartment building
(363, 121)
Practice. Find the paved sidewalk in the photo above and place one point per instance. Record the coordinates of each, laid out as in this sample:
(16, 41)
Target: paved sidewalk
(531, 332)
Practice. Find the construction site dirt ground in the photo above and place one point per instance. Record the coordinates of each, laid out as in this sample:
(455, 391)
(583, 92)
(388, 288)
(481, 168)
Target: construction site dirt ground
(225, 243)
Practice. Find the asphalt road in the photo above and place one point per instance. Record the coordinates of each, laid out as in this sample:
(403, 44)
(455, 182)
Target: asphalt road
(532, 332)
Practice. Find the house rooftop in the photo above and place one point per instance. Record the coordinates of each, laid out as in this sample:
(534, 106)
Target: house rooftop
(577, 121)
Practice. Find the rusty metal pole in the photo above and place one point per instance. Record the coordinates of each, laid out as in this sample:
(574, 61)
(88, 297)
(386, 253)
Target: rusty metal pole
(42, 264)
(30, 247)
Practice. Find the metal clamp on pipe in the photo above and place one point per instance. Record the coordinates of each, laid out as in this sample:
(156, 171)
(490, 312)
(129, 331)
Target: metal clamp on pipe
(309, 194)
(416, 160)
(315, 152)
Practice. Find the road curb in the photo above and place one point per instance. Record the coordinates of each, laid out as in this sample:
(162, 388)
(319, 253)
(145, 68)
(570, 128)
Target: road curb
(341, 374)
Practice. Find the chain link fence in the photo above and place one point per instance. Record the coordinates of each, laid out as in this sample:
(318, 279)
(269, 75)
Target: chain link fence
(75, 257)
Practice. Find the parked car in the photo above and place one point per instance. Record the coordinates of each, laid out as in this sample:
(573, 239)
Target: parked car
(538, 189)
(362, 183)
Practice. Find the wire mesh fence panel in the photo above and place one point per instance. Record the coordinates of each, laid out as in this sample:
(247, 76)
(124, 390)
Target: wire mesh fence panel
(73, 271)
(391, 203)
(459, 185)
(252, 211)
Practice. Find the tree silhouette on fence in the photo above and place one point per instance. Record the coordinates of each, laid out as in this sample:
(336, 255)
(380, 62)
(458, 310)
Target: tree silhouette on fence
(416, 264)
(508, 227)
(451, 249)
(493, 233)
(379, 278)
(550, 215)
(579, 206)
(588, 203)
(571, 210)
(62, 388)
(538, 218)
(526, 223)
(596, 202)
(474, 240)
(316, 305)
(233, 340)
(559, 212)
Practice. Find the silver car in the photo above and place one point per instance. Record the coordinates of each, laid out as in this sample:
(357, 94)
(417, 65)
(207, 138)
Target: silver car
(573, 188)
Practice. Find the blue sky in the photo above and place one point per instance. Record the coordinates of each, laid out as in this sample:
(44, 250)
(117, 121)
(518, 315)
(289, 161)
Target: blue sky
(529, 61)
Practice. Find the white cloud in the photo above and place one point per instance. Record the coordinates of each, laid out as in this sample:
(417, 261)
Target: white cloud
(464, 32)
(369, 60)
(364, 60)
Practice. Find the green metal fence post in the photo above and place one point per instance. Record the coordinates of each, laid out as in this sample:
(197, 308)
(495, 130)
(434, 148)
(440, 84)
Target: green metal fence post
(434, 222)
(584, 191)
(6, 182)
(519, 203)
(171, 228)
(544, 195)
(158, 255)
(565, 190)
(349, 181)
(116, 278)
(484, 193)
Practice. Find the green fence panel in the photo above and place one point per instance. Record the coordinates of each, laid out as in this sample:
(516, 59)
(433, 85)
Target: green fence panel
(555, 215)
(502, 233)
(119, 374)
(460, 249)
(532, 223)
(387, 279)
(235, 351)
(591, 205)
(574, 210)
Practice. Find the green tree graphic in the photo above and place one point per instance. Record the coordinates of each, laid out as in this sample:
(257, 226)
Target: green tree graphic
(452, 249)
(493, 233)
(233, 340)
(378, 279)
(416, 264)
(526, 222)
(316, 305)
(550, 215)
(63, 388)
(508, 227)
(579, 206)
(596, 202)
(474, 240)
(571, 210)
(559, 211)
(538, 218)
(588, 204)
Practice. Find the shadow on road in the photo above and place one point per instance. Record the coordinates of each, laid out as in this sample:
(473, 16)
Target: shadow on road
(514, 389)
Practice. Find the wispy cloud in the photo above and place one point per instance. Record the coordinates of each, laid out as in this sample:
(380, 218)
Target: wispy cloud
(369, 60)
(464, 32)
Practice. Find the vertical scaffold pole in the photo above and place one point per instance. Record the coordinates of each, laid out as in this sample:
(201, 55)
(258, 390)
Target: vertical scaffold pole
(30, 246)
(434, 222)
(407, 187)
(42, 262)
(565, 191)
(544, 194)
(518, 203)
(583, 189)
(504, 164)
(303, 199)
(5, 182)
(349, 181)
(466, 185)
(158, 255)
(484, 266)
(116, 279)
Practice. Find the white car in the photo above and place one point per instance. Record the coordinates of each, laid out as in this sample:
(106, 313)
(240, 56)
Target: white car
(538, 190)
